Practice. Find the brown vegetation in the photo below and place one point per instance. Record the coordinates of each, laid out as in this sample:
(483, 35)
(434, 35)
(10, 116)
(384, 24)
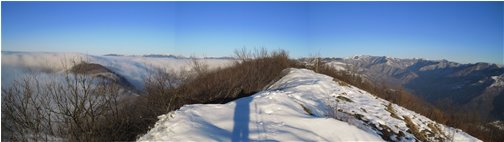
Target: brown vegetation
(413, 128)
(344, 98)
(88, 68)
(308, 111)
(392, 111)
(167, 92)
(50, 110)
(89, 112)
(468, 121)
(79, 109)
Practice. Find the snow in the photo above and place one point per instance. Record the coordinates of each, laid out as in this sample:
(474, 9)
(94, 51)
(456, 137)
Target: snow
(301, 106)
(498, 81)
(338, 65)
(498, 124)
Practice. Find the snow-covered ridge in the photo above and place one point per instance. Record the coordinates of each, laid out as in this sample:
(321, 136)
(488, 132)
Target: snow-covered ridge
(301, 106)
(338, 65)
(498, 81)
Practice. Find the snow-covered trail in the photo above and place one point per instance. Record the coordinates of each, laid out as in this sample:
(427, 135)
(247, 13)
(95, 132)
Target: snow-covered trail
(250, 119)
(298, 107)
(255, 118)
(269, 115)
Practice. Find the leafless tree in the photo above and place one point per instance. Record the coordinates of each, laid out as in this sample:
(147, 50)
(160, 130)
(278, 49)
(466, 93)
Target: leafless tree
(198, 66)
(57, 108)
(242, 54)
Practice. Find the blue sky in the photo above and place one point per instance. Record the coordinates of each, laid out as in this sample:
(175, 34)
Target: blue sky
(465, 32)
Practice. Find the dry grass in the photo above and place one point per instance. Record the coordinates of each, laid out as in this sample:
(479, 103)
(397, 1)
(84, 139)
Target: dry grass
(344, 99)
(250, 75)
(126, 119)
(469, 121)
(308, 111)
(436, 131)
(392, 111)
(414, 129)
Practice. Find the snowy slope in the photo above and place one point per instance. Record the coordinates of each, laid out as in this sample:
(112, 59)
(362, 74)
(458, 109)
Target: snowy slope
(498, 81)
(301, 106)
(338, 65)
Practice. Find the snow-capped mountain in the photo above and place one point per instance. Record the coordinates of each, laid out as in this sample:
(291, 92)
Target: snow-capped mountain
(498, 81)
(301, 106)
(474, 86)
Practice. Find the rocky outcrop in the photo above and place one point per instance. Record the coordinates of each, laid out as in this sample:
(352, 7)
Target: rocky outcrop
(99, 71)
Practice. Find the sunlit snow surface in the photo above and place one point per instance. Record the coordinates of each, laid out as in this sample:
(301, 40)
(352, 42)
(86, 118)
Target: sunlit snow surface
(278, 114)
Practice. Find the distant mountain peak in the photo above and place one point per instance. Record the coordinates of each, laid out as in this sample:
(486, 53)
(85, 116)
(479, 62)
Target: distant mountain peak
(432, 80)
(498, 81)
(151, 55)
(356, 57)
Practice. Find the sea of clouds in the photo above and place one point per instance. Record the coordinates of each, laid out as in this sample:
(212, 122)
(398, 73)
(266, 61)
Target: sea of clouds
(16, 65)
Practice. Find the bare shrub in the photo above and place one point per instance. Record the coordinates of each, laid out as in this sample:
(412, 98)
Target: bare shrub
(392, 111)
(314, 62)
(160, 93)
(242, 54)
(167, 91)
(67, 106)
(198, 67)
(245, 78)
(23, 112)
(414, 129)
(56, 109)
(79, 108)
(469, 120)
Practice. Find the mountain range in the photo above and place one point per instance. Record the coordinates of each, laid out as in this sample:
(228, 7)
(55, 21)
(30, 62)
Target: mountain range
(449, 85)
(298, 106)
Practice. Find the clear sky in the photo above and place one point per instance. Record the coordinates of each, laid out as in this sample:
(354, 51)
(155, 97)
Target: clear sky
(465, 32)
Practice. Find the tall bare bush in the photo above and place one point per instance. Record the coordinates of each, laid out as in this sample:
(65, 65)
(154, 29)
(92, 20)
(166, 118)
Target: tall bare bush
(57, 108)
